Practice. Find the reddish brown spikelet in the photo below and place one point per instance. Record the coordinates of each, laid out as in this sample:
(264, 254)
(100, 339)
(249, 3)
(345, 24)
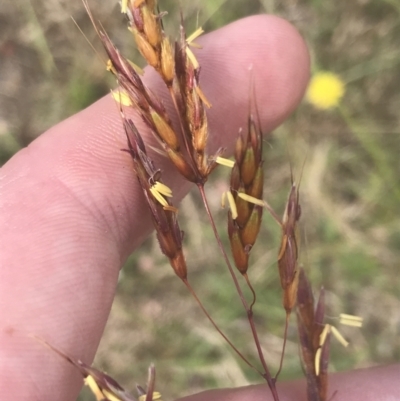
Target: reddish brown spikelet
(150, 38)
(182, 165)
(288, 252)
(310, 326)
(182, 80)
(248, 165)
(149, 107)
(191, 105)
(165, 221)
(243, 207)
(240, 256)
(103, 386)
(250, 230)
(151, 381)
(256, 188)
(151, 26)
(323, 369)
(247, 178)
(290, 293)
(165, 130)
(146, 49)
(167, 61)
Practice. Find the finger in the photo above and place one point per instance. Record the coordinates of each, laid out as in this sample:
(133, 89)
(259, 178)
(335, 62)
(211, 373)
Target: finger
(72, 210)
(379, 383)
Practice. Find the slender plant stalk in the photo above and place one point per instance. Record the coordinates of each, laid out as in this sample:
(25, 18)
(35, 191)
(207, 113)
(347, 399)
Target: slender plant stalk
(283, 346)
(267, 375)
(252, 291)
(191, 290)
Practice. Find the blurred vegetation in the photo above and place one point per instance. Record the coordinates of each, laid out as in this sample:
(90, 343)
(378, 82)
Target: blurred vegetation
(350, 188)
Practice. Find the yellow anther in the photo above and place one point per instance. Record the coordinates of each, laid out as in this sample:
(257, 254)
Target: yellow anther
(156, 397)
(317, 361)
(170, 208)
(194, 35)
(223, 199)
(351, 323)
(202, 96)
(162, 189)
(324, 334)
(251, 199)
(91, 383)
(322, 339)
(192, 58)
(124, 6)
(121, 97)
(339, 337)
(109, 396)
(110, 67)
(224, 162)
(350, 320)
(232, 205)
(158, 196)
(139, 70)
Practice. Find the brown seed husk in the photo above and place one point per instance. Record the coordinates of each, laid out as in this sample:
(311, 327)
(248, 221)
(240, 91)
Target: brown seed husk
(178, 263)
(151, 27)
(181, 164)
(250, 231)
(165, 131)
(167, 61)
(290, 293)
(240, 256)
(248, 167)
(145, 48)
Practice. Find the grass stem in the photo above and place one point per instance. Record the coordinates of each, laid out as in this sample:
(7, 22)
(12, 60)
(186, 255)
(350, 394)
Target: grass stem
(191, 290)
(267, 375)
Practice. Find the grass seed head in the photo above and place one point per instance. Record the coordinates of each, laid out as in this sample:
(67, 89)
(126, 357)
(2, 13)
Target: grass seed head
(314, 338)
(163, 213)
(246, 184)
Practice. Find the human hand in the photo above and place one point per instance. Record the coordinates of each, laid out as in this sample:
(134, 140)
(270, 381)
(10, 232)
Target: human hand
(71, 209)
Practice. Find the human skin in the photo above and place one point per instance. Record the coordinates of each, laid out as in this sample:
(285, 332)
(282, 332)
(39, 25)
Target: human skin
(71, 211)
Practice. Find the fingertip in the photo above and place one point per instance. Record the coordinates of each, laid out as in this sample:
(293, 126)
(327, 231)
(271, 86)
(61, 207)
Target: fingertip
(265, 48)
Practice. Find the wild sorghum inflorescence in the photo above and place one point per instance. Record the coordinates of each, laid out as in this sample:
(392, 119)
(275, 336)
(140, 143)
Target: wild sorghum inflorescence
(186, 147)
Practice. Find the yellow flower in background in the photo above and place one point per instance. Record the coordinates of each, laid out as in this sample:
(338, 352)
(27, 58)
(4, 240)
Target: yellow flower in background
(325, 90)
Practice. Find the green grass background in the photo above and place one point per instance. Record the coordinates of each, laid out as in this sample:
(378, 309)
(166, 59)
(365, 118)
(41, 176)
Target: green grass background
(350, 190)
